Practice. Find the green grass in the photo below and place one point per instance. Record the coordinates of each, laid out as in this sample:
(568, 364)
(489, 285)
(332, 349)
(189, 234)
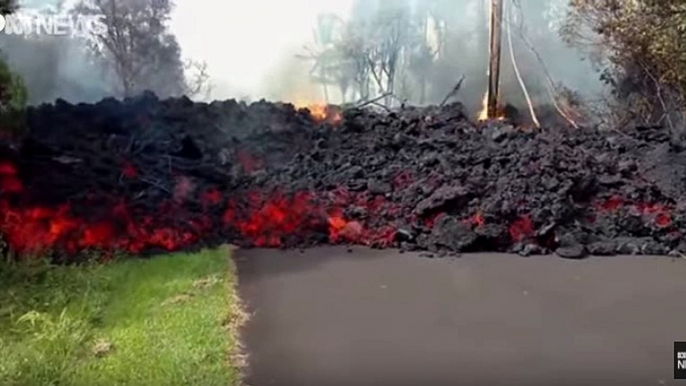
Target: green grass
(169, 320)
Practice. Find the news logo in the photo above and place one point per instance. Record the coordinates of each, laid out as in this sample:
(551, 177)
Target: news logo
(679, 360)
(30, 22)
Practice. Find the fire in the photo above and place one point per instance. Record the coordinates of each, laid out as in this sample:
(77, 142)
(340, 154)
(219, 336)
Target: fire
(483, 113)
(321, 112)
(325, 113)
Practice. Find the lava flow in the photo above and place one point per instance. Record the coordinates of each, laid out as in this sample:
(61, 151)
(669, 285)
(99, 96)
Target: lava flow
(174, 181)
(257, 219)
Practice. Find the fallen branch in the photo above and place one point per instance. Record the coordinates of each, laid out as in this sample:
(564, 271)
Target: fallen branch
(453, 92)
(382, 106)
(371, 101)
(549, 79)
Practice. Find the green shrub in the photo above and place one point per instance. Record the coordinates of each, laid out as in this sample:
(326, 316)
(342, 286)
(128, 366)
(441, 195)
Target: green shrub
(13, 99)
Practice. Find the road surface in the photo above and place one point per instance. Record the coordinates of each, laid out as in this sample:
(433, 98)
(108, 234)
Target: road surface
(328, 316)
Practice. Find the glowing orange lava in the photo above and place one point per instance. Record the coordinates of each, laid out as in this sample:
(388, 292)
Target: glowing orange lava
(265, 219)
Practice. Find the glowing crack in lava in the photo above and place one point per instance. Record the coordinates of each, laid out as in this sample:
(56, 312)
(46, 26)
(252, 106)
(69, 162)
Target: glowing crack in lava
(521, 229)
(658, 214)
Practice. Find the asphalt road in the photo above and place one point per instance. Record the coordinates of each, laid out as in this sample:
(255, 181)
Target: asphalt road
(330, 317)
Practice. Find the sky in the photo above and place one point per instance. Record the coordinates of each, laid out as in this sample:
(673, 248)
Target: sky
(244, 41)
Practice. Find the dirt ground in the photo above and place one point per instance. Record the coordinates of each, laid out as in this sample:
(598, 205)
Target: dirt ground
(328, 316)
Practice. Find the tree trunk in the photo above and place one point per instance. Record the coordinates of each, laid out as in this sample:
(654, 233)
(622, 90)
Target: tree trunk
(494, 57)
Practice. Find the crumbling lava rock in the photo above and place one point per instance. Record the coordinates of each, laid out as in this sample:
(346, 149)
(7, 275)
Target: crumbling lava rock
(145, 174)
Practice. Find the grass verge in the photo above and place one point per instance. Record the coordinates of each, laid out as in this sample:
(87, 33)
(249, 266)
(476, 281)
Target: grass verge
(169, 320)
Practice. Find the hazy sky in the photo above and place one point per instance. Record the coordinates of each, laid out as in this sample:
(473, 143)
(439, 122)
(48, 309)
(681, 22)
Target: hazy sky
(243, 41)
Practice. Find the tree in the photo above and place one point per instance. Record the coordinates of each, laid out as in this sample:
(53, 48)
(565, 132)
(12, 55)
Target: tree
(369, 54)
(8, 6)
(138, 44)
(641, 44)
(353, 53)
(13, 95)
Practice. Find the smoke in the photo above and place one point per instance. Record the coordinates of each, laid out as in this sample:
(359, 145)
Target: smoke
(55, 66)
(457, 32)
(254, 49)
(291, 81)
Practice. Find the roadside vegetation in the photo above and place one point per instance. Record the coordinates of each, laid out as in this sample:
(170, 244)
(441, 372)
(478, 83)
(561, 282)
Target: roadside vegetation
(639, 46)
(168, 320)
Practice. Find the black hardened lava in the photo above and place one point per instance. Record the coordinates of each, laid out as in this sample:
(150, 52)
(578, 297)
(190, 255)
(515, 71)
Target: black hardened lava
(268, 175)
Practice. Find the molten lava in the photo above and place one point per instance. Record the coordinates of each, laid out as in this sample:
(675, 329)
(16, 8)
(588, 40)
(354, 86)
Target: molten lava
(659, 214)
(521, 229)
(260, 219)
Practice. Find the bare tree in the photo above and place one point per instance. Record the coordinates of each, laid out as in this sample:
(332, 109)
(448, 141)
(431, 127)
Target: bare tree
(354, 62)
(197, 79)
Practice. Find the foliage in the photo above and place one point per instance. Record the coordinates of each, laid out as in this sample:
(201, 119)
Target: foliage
(137, 43)
(160, 321)
(8, 6)
(13, 98)
(642, 45)
(13, 94)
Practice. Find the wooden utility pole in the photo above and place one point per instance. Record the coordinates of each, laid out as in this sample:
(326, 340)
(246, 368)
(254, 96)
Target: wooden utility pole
(494, 57)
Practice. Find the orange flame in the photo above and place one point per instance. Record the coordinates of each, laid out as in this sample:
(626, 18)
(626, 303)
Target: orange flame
(321, 112)
(483, 113)
(318, 112)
